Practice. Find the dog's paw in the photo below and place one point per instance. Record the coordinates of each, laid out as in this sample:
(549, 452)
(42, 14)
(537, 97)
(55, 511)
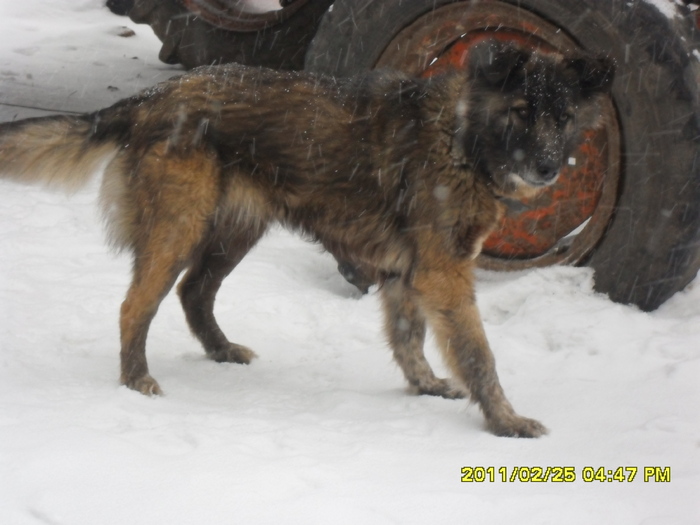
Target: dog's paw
(233, 354)
(145, 385)
(440, 387)
(517, 426)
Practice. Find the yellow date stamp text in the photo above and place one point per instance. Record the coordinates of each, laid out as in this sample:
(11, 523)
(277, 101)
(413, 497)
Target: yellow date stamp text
(565, 474)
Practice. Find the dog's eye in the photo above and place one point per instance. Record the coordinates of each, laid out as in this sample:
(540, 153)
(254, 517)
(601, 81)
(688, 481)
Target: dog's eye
(522, 111)
(565, 117)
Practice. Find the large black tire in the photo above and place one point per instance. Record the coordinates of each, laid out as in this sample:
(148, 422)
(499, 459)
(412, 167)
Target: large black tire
(204, 38)
(651, 247)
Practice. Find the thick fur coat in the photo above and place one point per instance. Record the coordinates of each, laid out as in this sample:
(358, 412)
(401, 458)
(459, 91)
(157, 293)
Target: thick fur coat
(403, 178)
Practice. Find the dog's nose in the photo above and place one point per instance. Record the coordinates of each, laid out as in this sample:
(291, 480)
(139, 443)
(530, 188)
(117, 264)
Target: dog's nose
(548, 170)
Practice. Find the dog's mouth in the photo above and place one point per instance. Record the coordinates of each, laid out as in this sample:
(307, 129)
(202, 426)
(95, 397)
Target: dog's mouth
(523, 184)
(533, 179)
(520, 182)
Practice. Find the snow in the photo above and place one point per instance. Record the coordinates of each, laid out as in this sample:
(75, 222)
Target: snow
(320, 428)
(666, 7)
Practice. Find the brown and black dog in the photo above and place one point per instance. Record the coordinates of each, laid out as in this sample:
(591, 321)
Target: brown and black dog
(398, 175)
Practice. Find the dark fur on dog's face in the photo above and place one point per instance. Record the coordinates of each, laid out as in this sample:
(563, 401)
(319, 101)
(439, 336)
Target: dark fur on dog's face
(527, 111)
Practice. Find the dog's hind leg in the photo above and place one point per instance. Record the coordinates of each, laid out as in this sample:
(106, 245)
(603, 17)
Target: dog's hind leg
(405, 326)
(198, 292)
(172, 199)
(153, 277)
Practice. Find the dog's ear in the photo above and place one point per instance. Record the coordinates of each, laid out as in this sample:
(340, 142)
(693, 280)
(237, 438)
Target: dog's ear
(595, 74)
(494, 61)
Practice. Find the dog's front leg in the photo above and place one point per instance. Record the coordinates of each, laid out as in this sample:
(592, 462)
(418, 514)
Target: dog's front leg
(447, 297)
(405, 327)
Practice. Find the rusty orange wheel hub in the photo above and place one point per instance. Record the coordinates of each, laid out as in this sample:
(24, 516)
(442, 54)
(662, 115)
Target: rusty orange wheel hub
(564, 223)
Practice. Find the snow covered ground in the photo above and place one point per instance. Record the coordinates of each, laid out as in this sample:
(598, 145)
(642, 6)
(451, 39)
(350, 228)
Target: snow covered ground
(319, 429)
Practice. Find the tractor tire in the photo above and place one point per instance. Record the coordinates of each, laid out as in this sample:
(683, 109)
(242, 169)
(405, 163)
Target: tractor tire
(206, 32)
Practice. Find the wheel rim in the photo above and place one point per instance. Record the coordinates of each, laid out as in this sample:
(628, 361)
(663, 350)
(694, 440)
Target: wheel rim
(565, 222)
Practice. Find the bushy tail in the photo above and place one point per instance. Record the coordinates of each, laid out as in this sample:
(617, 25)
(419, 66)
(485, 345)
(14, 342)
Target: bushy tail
(56, 151)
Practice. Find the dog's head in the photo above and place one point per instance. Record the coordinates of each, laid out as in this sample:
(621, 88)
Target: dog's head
(526, 111)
